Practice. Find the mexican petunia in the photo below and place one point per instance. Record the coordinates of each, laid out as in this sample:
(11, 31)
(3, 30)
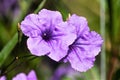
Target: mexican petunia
(87, 45)
(65, 71)
(2, 78)
(46, 36)
(9, 6)
(23, 76)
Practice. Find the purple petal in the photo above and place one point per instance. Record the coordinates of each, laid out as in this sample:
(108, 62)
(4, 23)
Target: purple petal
(30, 25)
(84, 50)
(58, 50)
(53, 17)
(3, 78)
(20, 76)
(33, 24)
(69, 33)
(80, 64)
(37, 46)
(80, 23)
(31, 75)
(60, 45)
(89, 44)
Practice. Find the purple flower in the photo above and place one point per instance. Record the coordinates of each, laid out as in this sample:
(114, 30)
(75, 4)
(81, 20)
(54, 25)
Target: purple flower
(2, 78)
(65, 70)
(23, 76)
(8, 6)
(87, 45)
(46, 36)
(69, 41)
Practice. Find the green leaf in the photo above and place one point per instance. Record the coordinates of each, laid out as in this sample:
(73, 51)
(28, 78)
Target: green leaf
(24, 7)
(4, 35)
(116, 20)
(8, 48)
(60, 6)
(66, 78)
(40, 6)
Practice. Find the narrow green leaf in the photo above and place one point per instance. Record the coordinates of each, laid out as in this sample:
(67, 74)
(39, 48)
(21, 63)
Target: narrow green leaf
(4, 35)
(8, 48)
(116, 21)
(60, 6)
(24, 7)
(40, 6)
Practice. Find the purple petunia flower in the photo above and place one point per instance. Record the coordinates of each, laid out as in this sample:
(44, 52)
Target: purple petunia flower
(65, 70)
(46, 36)
(87, 45)
(9, 6)
(2, 78)
(69, 41)
(22, 76)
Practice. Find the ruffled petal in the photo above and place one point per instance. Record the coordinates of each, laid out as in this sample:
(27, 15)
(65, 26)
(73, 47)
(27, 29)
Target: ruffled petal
(60, 46)
(64, 37)
(37, 46)
(89, 44)
(30, 25)
(49, 19)
(53, 17)
(58, 50)
(80, 23)
(31, 75)
(80, 64)
(20, 76)
(68, 33)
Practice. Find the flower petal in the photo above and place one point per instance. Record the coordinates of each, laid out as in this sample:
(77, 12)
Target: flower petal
(58, 50)
(89, 44)
(53, 17)
(20, 76)
(79, 63)
(31, 75)
(68, 33)
(2, 78)
(80, 23)
(64, 37)
(30, 25)
(37, 46)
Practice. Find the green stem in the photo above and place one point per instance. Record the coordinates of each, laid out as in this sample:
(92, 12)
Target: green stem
(16, 59)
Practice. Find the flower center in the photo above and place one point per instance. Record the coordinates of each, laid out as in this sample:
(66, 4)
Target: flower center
(47, 35)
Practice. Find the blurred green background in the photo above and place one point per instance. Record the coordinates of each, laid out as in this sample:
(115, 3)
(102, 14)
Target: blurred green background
(103, 17)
